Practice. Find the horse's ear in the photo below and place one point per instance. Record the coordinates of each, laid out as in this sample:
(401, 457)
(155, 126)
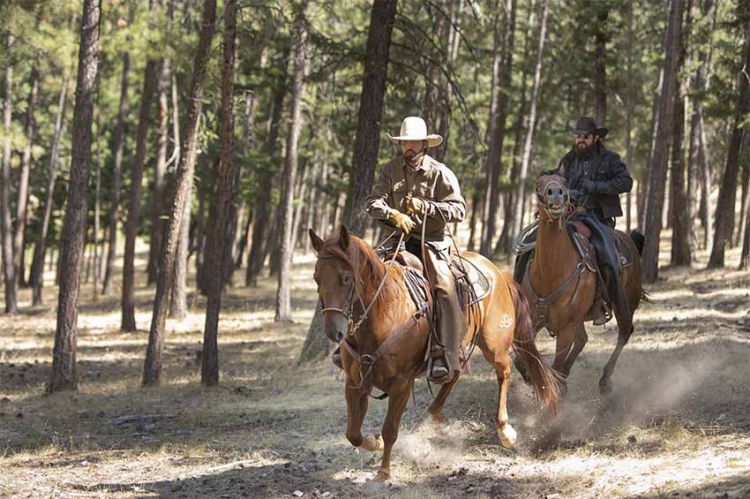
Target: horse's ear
(317, 242)
(344, 237)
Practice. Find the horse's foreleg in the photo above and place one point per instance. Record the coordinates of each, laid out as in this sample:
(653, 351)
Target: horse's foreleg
(356, 406)
(398, 397)
(436, 407)
(565, 340)
(623, 335)
(578, 344)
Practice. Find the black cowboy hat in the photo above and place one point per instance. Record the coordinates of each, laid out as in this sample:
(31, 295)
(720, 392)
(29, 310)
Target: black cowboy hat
(585, 126)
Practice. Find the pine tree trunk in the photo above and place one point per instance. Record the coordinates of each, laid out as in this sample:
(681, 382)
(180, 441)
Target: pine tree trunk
(286, 208)
(505, 242)
(37, 263)
(502, 67)
(681, 246)
(728, 191)
(655, 119)
(6, 225)
(97, 209)
(745, 256)
(158, 188)
(218, 246)
(437, 111)
(263, 211)
(183, 183)
(745, 199)
(23, 181)
(658, 168)
(178, 304)
(475, 200)
(64, 375)
(367, 140)
(119, 146)
(600, 62)
(520, 195)
(134, 206)
(629, 111)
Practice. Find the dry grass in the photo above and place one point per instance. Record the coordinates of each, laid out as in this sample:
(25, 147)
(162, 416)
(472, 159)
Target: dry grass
(678, 422)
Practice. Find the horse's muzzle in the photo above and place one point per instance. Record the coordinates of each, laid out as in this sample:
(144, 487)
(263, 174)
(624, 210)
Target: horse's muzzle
(335, 327)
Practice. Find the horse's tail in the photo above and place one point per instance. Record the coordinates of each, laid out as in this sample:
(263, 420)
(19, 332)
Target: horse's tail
(546, 382)
(639, 239)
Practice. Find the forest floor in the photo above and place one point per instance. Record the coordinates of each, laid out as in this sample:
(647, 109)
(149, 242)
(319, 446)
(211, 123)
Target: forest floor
(677, 422)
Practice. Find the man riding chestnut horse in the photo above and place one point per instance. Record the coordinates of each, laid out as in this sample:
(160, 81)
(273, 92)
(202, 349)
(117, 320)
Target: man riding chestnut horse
(419, 196)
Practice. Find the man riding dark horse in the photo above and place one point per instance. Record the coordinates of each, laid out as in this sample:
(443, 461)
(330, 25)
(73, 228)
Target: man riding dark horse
(596, 177)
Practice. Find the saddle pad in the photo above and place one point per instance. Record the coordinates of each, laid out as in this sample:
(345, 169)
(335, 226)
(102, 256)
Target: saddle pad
(623, 252)
(417, 285)
(467, 274)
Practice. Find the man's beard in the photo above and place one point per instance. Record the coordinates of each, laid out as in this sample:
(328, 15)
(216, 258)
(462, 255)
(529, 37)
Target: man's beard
(413, 158)
(583, 151)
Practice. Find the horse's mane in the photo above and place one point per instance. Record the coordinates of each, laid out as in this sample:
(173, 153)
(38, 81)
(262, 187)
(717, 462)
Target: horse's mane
(369, 271)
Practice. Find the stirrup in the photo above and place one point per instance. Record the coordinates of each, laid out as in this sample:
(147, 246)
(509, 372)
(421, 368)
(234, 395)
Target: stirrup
(437, 353)
(602, 313)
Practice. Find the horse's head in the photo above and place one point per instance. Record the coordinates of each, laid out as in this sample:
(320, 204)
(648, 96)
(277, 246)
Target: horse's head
(554, 197)
(335, 276)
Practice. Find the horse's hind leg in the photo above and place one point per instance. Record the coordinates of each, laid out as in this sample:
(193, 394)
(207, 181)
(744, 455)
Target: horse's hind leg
(500, 360)
(398, 397)
(623, 335)
(436, 407)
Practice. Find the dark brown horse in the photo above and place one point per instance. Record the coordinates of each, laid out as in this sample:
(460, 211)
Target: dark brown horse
(558, 275)
(385, 346)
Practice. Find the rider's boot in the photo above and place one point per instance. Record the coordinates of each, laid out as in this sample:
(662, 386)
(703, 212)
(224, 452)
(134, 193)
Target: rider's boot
(601, 311)
(440, 371)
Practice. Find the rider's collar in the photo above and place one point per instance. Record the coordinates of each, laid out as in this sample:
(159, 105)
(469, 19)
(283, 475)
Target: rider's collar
(423, 166)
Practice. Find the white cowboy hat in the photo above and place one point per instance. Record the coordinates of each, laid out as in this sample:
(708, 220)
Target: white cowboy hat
(414, 128)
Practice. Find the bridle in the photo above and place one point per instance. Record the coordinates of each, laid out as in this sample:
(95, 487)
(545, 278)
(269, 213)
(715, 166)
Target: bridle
(541, 196)
(366, 361)
(348, 312)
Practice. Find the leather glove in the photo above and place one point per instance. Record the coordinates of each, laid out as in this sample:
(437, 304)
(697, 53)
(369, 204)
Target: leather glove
(576, 196)
(416, 206)
(588, 185)
(402, 222)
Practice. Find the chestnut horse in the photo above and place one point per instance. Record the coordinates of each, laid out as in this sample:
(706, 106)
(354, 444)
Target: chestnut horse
(368, 310)
(557, 272)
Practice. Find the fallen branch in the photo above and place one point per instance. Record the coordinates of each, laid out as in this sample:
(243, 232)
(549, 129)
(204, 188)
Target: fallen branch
(141, 417)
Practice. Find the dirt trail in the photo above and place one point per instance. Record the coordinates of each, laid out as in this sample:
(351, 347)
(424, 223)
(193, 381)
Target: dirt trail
(677, 424)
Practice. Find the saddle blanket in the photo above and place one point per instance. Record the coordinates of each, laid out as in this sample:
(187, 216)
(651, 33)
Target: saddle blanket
(471, 284)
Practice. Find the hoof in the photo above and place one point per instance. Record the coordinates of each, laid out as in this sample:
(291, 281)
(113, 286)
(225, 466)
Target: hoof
(372, 443)
(508, 436)
(437, 417)
(383, 476)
